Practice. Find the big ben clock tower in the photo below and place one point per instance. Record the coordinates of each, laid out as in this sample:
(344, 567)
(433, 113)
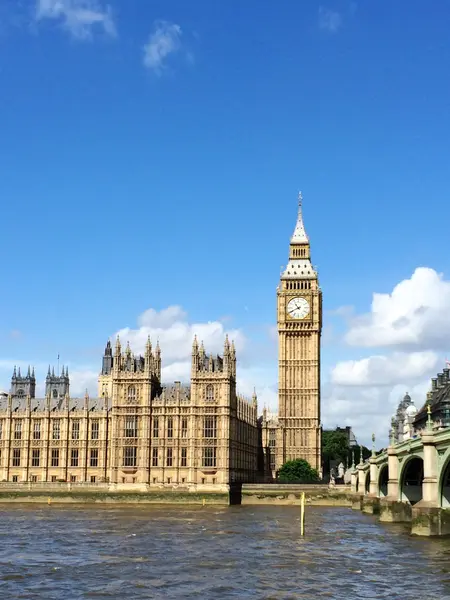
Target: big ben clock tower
(299, 320)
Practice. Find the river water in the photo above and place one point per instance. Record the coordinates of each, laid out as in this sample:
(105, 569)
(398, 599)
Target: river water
(66, 553)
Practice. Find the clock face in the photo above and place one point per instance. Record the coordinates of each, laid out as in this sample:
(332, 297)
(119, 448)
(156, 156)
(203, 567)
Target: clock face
(298, 308)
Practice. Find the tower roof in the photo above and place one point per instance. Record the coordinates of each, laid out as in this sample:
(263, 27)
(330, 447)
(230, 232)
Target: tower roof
(299, 265)
(299, 236)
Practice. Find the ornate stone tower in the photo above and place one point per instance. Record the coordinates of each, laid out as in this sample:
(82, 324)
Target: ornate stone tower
(57, 386)
(134, 382)
(23, 386)
(299, 320)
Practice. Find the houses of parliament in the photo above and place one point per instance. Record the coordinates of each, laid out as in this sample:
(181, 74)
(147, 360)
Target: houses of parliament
(203, 435)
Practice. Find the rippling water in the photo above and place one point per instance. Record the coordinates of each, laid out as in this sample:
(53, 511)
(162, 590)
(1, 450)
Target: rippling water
(238, 552)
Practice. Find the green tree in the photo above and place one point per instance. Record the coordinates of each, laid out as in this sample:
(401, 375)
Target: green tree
(335, 446)
(357, 454)
(297, 471)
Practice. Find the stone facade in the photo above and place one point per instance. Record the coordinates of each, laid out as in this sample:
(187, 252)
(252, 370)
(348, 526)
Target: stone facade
(137, 431)
(402, 422)
(299, 321)
(269, 432)
(438, 399)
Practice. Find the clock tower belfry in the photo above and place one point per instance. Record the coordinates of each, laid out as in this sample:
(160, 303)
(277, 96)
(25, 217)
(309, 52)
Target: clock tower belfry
(299, 322)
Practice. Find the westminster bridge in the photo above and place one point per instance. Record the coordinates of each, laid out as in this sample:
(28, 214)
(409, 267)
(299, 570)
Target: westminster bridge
(408, 482)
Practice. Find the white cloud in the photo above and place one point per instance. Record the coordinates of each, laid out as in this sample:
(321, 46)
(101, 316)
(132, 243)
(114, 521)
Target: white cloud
(82, 379)
(382, 370)
(329, 20)
(365, 393)
(163, 41)
(79, 17)
(367, 409)
(175, 334)
(413, 322)
(414, 315)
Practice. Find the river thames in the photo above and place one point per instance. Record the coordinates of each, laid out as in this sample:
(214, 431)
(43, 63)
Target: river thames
(149, 552)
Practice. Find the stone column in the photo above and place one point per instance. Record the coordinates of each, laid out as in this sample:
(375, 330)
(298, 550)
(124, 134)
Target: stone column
(361, 479)
(430, 483)
(393, 491)
(373, 489)
(354, 479)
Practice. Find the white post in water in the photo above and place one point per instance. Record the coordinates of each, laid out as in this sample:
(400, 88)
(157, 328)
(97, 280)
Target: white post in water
(302, 514)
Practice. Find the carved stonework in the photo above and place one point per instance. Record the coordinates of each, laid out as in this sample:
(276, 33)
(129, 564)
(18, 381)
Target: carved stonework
(130, 442)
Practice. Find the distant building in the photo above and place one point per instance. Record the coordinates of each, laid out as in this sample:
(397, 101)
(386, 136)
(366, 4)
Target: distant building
(348, 432)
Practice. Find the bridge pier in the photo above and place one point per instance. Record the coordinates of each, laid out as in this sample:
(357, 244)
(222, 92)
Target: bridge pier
(391, 510)
(357, 500)
(430, 521)
(370, 505)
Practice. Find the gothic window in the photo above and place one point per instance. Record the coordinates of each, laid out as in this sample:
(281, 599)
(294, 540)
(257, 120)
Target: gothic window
(1, 429)
(130, 456)
(74, 457)
(56, 429)
(209, 427)
(170, 427)
(55, 457)
(95, 429)
(169, 457)
(183, 457)
(94, 457)
(55, 393)
(131, 396)
(131, 427)
(16, 457)
(184, 427)
(75, 430)
(35, 457)
(155, 457)
(209, 393)
(272, 438)
(18, 429)
(209, 457)
(155, 427)
(20, 393)
(37, 431)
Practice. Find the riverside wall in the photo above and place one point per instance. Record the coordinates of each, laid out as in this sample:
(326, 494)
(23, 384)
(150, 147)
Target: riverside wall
(251, 494)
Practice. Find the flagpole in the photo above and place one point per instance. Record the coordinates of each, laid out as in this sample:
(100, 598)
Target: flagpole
(58, 365)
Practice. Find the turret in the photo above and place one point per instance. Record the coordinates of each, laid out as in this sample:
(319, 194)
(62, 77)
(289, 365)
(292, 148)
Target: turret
(21, 387)
(226, 353)
(107, 362)
(148, 359)
(57, 386)
(195, 356)
(158, 361)
(117, 355)
(233, 359)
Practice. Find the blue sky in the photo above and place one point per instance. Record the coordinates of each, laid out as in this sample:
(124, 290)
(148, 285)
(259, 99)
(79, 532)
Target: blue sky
(151, 154)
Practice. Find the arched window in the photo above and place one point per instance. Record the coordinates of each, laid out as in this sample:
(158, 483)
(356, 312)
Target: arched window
(55, 393)
(131, 394)
(209, 393)
(20, 393)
